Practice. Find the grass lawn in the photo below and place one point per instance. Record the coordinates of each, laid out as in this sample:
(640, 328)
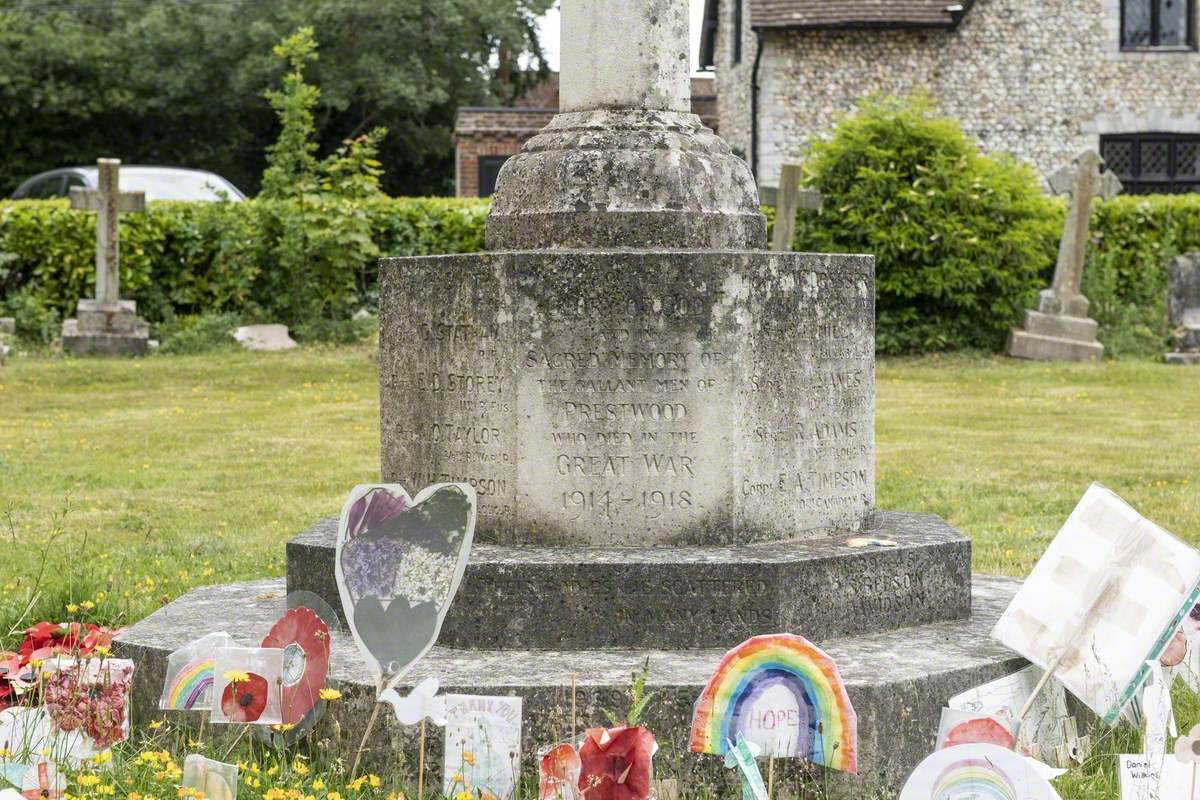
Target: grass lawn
(179, 471)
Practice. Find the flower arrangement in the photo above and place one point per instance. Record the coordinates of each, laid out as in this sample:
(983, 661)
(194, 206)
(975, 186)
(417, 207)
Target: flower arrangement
(43, 642)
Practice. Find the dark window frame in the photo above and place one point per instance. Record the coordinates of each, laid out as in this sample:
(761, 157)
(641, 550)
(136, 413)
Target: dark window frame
(1155, 44)
(490, 161)
(1172, 183)
(737, 31)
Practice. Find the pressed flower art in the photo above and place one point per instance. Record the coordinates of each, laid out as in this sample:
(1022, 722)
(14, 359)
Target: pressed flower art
(399, 562)
(247, 685)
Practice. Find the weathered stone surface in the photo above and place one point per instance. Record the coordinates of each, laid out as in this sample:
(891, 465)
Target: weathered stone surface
(8, 326)
(1081, 329)
(74, 341)
(633, 597)
(264, 337)
(94, 316)
(1052, 348)
(898, 682)
(625, 178)
(1183, 307)
(634, 397)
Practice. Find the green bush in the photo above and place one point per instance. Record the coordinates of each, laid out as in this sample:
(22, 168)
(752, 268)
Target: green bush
(190, 259)
(962, 241)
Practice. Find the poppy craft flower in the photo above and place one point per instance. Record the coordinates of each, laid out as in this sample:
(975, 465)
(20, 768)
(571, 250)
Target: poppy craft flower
(1187, 748)
(304, 639)
(616, 763)
(245, 701)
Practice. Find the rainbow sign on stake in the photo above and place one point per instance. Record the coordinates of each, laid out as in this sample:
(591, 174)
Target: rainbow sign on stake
(784, 694)
(976, 772)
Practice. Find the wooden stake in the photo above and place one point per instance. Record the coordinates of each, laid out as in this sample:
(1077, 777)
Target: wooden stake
(771, 777)
(362, 744)
(572, 709)
(1038, 689)
(1192, 791)
(421, 765)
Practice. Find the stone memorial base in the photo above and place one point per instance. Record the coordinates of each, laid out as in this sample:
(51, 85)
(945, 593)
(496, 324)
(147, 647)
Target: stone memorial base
(898, 682)
(1055, 337)
(106, 329)
(1182, 358)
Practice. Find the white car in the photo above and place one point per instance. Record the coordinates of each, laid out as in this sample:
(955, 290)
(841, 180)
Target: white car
(159, 183)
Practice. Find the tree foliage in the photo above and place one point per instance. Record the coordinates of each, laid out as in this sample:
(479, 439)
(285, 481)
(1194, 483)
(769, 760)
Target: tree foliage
(962, 242)
(182, 83)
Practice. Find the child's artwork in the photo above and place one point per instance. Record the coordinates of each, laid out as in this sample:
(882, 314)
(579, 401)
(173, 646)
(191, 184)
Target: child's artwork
(190, 673)
(617, 763)
(782, 693)
(399, 563)
(968, 727)
(1043, 731)
(423, 702)
(558, 774)
(974, 771)
(1145, 778)
(246, 685)
(742, 755)
(43, 782)
(304, 639)
(483, 745)
(89, 697)
(214, 779)
(1106, 597)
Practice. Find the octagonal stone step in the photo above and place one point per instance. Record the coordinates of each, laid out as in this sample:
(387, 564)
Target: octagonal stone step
(552, 598)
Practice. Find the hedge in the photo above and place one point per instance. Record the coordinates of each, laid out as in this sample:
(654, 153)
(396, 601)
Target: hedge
(183, 259)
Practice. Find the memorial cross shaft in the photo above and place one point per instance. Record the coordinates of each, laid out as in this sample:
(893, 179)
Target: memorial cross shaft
(790, 200)
(108, 202)
(1085, 180)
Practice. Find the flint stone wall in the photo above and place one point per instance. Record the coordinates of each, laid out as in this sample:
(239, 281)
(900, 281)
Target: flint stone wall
(1040, 79)
(634, 397)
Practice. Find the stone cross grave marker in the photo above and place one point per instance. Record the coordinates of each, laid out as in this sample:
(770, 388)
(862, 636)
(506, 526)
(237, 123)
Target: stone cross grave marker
(107, 201)
(1183, 308)
(106, 324)
(1060, 329)
(790, 199)
(1084, 181)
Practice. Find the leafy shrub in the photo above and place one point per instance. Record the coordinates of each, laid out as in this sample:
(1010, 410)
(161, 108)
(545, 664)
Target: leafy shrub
(201, 333)
(36, 323)
(962, 241)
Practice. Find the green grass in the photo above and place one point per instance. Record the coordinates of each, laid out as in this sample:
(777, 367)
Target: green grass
(185, 470)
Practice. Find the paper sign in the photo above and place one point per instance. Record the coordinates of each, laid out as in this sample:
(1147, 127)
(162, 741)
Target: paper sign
(190, 671)
(399, 563)
(742, 755)
(1104, 599)
(1157, 711)
(968, 727)
(246, 685)
(974, 771)
(483, 745)
(1042, 731)
(1144, 778)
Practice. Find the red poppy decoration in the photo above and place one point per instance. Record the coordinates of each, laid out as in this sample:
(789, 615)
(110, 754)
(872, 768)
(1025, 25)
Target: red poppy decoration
(245, 701)
(983, 730)
(559, 774)
(304, 639)
(617, 763)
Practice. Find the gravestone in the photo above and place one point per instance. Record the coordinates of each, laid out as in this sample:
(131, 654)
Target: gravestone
(106, 324)
(8, 327)
(790, 199)
(671, 433)
(1183, 308)
(1060, 329)
(264, 337)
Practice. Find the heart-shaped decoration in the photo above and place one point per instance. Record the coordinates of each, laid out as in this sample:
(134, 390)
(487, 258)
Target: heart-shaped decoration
(399, 563)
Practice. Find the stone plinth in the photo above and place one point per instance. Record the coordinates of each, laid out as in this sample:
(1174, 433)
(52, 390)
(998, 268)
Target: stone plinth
(634, 398)
(686, 597)
(1183, 308)
(101, 328)
(1059, 330)
(898, 682)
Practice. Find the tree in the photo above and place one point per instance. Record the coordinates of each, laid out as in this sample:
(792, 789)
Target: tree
(166, 82)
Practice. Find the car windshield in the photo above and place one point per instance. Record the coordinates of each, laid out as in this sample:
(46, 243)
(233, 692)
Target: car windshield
(176, 184)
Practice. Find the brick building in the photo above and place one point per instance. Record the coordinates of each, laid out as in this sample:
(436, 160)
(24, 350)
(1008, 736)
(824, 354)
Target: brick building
(485, 137)
(1041, 79)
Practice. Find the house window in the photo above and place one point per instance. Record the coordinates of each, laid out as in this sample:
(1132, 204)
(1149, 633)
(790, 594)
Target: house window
(737, 31)
(1148, 24)
(1154, 163)
(489, 171)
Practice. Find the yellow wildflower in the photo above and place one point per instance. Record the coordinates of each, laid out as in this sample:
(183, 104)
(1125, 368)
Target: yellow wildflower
(458, 778)
(87, 605)
(87, 780)
(236, 676)
(107, 788)
(464, 795)
(72, 608)
(155, 724)
(102, 651)
(300, 768)
(374, 781)
(330, 694)
(283, 727)
(333, 796)
(318, 785)
(356, 784)
(274, 794)
(103, 757)
(469, 757)
(134, 796)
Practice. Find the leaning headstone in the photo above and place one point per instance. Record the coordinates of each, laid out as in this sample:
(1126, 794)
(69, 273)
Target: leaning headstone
(1060, 329)
(8, 327)
(1183, 308)
(264, 337)
(106, 324)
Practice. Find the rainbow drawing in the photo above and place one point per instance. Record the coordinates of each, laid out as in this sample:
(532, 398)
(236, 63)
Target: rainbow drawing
(815, 720)
(973, 779)
(192, 686)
